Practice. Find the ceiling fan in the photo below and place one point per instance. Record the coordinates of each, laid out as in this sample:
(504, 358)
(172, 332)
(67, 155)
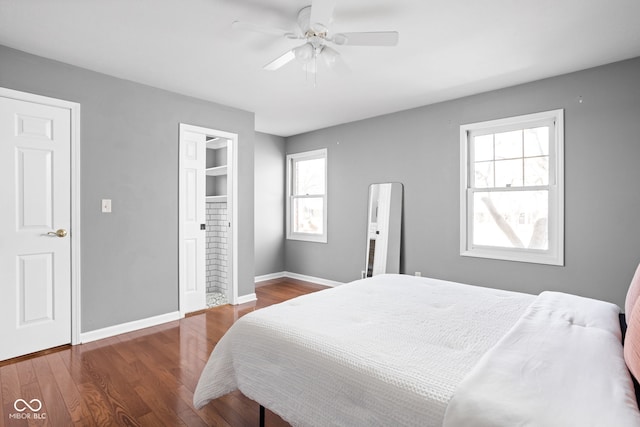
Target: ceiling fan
(313, 22)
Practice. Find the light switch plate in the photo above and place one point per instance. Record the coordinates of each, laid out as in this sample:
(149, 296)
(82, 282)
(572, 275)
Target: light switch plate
(106, 205)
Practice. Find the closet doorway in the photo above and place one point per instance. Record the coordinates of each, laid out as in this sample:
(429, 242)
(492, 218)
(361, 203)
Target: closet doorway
(207, 216)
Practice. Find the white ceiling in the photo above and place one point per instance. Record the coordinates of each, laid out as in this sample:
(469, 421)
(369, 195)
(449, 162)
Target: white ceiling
(447, 49)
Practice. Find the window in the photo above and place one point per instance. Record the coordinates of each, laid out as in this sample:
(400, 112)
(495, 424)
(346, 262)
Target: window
(307, 196)
(511, 192)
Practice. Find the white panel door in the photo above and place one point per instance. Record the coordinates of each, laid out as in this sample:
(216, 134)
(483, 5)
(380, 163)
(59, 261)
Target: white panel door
(193, 293)
(35, 262)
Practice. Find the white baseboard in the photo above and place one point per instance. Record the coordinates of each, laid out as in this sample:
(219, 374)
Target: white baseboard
(318, 280)
(271, 276)
(246, 298)
(281, 274)
(123, 328)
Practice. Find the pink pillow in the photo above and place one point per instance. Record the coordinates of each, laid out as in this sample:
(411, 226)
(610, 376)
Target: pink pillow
(632, 294)
(632, 341)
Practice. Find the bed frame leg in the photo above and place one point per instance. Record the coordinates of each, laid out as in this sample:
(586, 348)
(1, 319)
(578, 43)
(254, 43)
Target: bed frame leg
(261, 416)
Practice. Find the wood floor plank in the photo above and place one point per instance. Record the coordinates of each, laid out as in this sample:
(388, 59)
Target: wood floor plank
(26, 374)
(11, 391)
(165, 388)
(142, 378)
(52, 401)
(113, 386)
(207, 414)
(3, 416)
(99, 407)
(157, 401)
(76, 406)
(29, 391)
(191, 419)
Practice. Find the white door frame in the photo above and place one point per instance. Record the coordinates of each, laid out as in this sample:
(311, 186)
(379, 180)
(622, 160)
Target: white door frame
(74, 108)
(233, 203)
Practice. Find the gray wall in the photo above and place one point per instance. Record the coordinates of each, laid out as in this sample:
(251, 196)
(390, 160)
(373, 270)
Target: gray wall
(269, 203)
(129, 153)
(420, 148)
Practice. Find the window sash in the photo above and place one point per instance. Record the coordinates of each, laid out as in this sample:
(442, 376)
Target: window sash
(293, 214)
(554, 255)
(292, 160)
(552, 222)
(501, 128)
(294, 174)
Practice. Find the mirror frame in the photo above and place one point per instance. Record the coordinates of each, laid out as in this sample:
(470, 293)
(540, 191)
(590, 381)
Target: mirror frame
(384, 226)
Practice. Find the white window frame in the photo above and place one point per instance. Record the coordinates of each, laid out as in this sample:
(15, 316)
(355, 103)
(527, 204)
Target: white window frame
(554, 255)
(291, 159)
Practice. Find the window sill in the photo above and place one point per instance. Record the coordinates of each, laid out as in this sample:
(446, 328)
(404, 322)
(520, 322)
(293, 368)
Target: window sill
(506, 255)
(308, 238)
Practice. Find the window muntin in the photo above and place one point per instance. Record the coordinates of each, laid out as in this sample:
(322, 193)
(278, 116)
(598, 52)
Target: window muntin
(511, 188)
(307, 196)
(511, 159)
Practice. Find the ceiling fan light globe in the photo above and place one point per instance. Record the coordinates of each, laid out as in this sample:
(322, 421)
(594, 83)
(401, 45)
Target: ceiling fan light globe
(329, 56)
(304, 53)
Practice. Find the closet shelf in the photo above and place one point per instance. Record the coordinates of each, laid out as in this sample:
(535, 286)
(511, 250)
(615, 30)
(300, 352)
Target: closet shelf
(217, 171)
(218, 199)
(217, 143)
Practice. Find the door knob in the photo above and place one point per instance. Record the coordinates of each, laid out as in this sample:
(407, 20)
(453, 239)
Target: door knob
(60, 233)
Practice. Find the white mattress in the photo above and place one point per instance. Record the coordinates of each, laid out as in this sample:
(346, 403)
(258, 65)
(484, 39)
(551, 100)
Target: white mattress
(388, 350)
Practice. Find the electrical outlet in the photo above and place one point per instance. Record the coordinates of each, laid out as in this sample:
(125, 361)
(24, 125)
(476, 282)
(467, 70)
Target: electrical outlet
(363, 275)
(418, 274)
(106, 205)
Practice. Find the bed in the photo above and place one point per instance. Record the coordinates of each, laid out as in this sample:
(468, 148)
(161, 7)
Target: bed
(405, 351)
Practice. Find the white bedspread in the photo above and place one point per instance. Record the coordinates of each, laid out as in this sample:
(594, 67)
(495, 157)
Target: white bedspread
(384, 351)
(561, 365)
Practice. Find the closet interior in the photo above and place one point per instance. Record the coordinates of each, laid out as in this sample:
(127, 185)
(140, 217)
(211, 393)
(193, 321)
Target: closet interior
(217, 225)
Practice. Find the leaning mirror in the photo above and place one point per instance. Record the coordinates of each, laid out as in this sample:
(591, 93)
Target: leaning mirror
(384, 223)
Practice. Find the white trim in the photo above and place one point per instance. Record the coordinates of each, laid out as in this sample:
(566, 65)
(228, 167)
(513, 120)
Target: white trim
(235, 149)
(124, 328)
(308, 237)
(232, 201)
(76, 252)
(270, 276)
(304, 277)
(317, 280)
(245, 299)
(513, 122)
(74, 108)
(555, 254)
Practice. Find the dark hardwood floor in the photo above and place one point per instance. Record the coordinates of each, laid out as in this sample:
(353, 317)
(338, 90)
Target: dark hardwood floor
(143, 378)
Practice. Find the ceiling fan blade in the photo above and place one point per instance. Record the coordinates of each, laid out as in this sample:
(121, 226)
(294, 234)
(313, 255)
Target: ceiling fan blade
(375, 38)
(280, 61)
(247, 26)
(321, 14)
